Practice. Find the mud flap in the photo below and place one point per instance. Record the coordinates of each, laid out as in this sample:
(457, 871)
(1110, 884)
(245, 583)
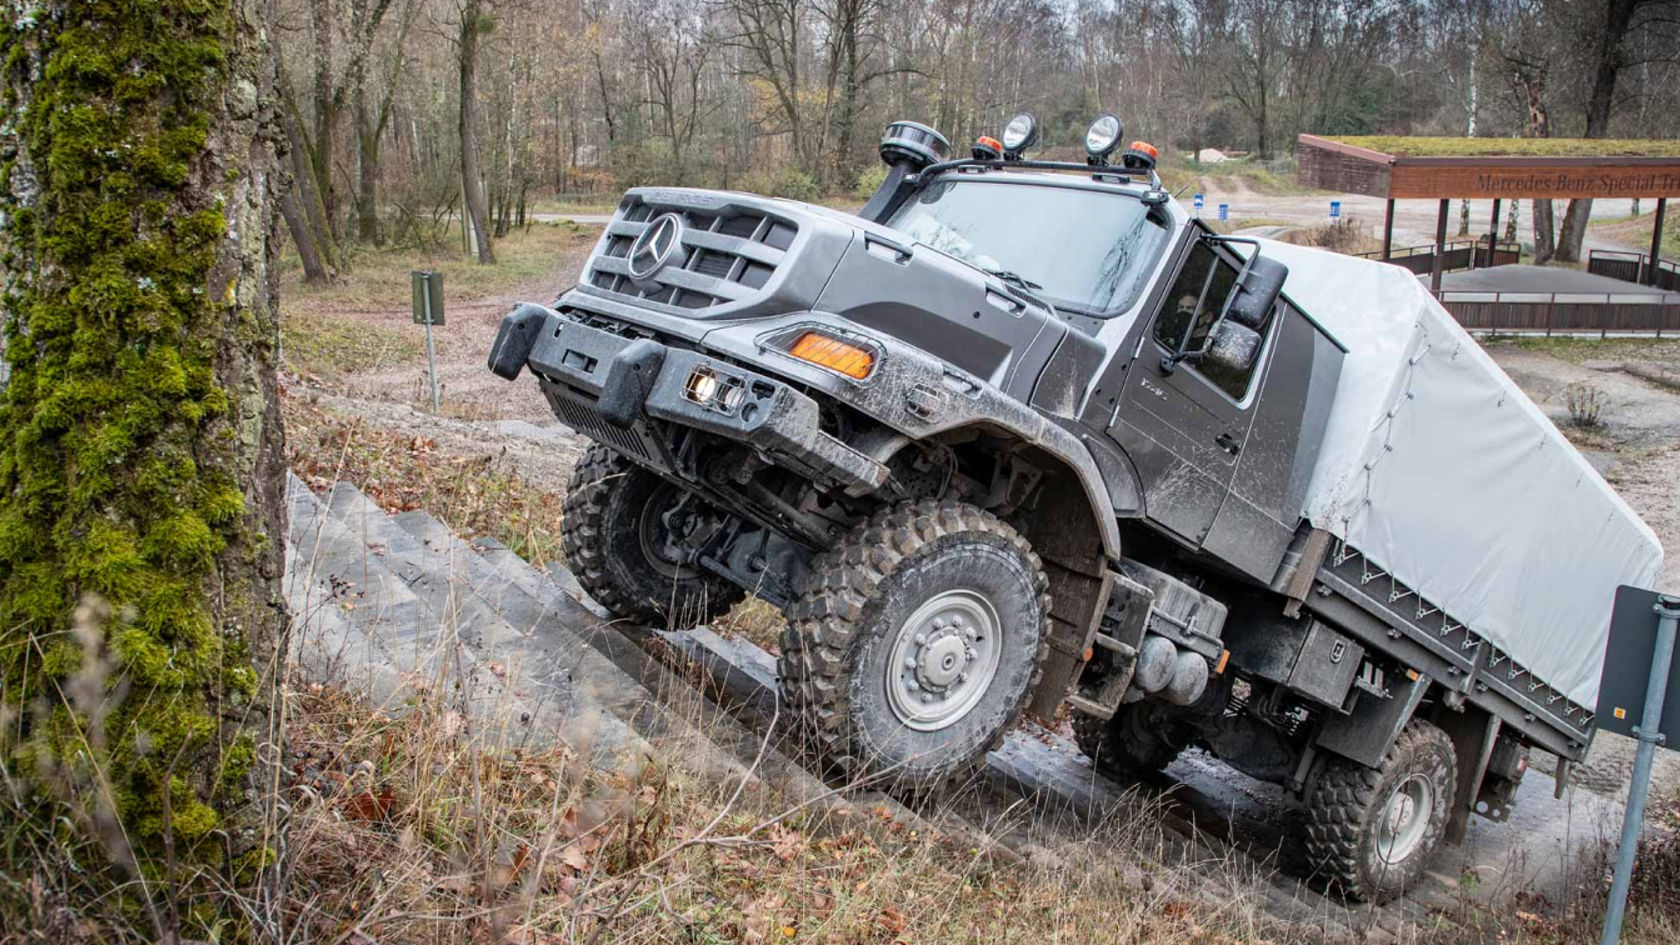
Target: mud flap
(1473, 734)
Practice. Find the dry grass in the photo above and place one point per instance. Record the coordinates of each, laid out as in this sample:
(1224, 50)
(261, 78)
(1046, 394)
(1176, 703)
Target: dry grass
(1344, 236)
(474, 495)
(379, 279)
(1407, 146)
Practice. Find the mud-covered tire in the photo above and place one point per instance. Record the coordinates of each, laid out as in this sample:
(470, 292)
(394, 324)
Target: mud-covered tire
(603, 521)
(861, 606)
(1346, 831)
(1126, 745)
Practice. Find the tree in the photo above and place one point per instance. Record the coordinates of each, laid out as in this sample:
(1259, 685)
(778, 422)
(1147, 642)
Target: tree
(1614, 22)
(141, 454)
(475, 21)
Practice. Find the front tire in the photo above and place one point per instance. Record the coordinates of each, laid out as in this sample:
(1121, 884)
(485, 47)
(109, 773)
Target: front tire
(1371, 831)
(614, 535)
(915, 642)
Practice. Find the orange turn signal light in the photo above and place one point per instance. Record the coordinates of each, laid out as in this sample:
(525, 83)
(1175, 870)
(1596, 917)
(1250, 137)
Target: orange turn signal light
(1146, 148)
(838, 356)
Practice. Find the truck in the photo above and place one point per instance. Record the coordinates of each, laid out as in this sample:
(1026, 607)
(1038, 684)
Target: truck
(1026, 436)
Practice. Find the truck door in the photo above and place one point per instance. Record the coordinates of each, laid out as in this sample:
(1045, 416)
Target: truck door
(1185, 423)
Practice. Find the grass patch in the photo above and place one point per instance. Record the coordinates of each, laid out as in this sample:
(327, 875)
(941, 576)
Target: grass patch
(1409, 146)
(473, 495)
(379, 279)
(1577, 350)
(322, 344)
(1635, 232)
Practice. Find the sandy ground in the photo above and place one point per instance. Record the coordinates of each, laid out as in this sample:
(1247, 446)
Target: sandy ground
(1638, 450)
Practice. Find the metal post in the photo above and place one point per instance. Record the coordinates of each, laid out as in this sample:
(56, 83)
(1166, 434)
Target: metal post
(1656, 241)
(1551, 308)
(1440, 248)
(1493, 234)
(431, 355)
(1388, 230)
(1668, 616)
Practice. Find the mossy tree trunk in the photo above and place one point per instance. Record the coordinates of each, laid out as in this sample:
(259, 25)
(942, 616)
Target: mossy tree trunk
(141, 452)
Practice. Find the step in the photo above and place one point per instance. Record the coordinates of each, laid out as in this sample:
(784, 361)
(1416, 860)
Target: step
(450, 637)
(755, 744)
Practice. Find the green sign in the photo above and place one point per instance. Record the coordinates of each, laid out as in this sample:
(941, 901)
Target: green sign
(428, 297)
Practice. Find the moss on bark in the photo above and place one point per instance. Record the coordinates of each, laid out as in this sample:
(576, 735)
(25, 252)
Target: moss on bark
(139, 441)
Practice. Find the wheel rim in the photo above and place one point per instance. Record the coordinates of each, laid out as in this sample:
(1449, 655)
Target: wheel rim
(1405, 819)
(650, 529)
(943, 660)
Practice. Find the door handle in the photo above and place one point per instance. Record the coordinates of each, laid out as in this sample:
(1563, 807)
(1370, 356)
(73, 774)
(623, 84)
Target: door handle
(1228, 443)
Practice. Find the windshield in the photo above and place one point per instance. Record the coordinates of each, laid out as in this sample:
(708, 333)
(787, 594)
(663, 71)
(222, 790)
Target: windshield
(1087, 249)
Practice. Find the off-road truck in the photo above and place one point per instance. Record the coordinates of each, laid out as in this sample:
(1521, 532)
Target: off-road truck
(1022, 434)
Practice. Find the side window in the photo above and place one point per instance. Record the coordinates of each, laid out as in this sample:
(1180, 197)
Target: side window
(1189, 313)
(1185, 303)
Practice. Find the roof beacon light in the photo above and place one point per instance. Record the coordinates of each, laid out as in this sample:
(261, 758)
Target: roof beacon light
(912, 144)
(987, 149)
(1101, 139)
(1020, 134)
(1140, 156)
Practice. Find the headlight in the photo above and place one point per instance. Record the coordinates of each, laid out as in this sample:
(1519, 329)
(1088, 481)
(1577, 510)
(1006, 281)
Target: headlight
(1102, 138)
(1020, 134)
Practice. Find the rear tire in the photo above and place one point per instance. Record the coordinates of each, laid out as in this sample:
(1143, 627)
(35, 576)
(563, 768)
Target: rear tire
(613, 536)
(1133, 743)
(1371, 831)
(915, 642)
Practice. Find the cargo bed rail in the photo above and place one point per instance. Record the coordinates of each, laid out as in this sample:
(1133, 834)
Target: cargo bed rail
(1352, 592)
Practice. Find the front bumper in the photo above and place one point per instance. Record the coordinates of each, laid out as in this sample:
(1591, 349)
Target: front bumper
(616, 390)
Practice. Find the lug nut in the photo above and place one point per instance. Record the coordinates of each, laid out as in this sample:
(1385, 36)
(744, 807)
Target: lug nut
(909, 662)
(911, 685)
(921, 639)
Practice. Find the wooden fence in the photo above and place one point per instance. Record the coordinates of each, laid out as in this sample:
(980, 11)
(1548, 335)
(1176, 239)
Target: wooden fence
(1460, 254)
(1565, 313)
(1634, 267)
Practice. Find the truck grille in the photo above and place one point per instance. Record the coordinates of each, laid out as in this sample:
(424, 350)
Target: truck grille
(723, 258)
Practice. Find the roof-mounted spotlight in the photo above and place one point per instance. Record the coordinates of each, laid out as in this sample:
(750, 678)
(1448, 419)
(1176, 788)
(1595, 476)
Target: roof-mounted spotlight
(1020, 134)
(913, 145)
(1101, 139)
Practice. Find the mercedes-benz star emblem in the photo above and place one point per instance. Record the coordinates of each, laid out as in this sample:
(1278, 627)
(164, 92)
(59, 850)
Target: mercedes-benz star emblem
(655, 246)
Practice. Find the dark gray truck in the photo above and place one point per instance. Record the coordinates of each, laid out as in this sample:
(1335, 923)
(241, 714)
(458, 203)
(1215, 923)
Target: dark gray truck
(1020, 434)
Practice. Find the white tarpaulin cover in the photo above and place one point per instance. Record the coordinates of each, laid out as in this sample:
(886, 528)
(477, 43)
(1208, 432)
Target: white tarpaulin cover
(1441, 471)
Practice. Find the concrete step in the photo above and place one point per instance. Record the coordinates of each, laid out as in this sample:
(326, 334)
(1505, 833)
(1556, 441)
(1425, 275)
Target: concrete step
(453, 637)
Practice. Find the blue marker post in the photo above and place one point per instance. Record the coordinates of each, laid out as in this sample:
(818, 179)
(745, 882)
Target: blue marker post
(1335, 209)
(1224, 212)
(1197, 202)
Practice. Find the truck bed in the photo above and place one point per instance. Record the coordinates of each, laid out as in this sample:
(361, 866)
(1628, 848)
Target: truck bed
(1462, 523)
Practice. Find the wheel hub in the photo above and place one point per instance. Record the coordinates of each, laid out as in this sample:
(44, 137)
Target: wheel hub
(1405, 819)
(943, 659)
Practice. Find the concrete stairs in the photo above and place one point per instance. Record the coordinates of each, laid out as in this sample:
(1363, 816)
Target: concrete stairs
(398, 604)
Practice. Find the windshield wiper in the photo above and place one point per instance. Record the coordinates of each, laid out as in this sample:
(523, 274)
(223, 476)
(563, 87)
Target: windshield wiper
(1013, 278)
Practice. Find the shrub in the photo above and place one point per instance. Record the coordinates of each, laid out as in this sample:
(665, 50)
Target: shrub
(870, 181)
(1584, 402)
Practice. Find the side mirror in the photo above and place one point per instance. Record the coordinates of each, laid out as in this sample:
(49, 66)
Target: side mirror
(1257, 290)
(1232, 346)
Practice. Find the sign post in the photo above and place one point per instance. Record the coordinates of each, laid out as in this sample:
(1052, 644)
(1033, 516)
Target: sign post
(1224, 212)
(1631, 648)
(1197, 200)
(1335, 209)
(428, 311)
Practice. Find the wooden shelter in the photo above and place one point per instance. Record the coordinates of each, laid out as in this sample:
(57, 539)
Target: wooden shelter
(1445, 169)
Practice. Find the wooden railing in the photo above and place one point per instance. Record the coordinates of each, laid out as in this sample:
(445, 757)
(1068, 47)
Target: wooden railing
(1459, 254)
(1565, 313)
(1630, 266)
